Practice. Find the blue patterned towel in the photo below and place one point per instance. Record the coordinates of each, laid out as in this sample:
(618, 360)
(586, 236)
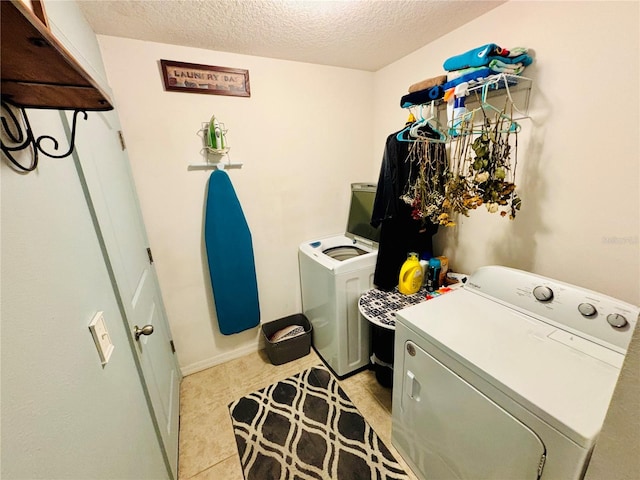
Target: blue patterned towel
(481, 56)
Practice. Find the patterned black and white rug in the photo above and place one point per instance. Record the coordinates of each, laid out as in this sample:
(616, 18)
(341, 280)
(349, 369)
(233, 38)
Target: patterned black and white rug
(305, 427)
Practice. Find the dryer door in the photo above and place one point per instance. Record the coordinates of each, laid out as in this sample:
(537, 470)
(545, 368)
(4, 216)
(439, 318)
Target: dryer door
(450, 430)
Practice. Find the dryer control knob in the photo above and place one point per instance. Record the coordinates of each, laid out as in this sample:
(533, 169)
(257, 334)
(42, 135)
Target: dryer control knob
(616, 320)
(542, 293)
(587, 310)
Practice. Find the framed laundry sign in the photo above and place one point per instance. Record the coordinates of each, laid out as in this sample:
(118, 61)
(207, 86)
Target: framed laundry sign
(196, 78)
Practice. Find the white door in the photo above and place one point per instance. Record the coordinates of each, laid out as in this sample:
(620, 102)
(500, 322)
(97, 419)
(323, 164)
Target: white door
(451, 430)
(105, 172)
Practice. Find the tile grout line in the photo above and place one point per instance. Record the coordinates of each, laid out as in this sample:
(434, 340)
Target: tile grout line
(209, 467)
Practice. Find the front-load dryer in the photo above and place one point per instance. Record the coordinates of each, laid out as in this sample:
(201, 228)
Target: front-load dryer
(334, 272)
(509, 377)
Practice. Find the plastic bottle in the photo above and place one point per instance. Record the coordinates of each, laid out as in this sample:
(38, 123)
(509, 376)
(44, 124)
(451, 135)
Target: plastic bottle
(444, 268)
(411, 274)
(424, 263)
(433, 275)
(459, 110)
(456, 108)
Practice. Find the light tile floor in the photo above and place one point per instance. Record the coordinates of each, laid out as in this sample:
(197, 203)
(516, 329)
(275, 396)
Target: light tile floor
(207, 446)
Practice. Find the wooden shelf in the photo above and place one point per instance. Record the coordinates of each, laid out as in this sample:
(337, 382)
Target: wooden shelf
(37, 71)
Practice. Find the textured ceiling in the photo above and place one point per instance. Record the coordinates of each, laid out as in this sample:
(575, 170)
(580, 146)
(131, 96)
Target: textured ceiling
(360, 34)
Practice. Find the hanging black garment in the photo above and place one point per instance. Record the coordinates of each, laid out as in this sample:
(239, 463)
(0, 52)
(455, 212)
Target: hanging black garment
(399, 233)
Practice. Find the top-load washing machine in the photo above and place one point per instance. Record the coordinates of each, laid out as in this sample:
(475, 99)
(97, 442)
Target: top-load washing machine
(509, 377)
(334, 272)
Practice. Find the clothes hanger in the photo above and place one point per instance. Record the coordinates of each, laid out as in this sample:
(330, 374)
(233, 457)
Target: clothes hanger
(485, 109)
(402, 135)
(413, 130)
(504, 80)
(512, 127)
(425, 128)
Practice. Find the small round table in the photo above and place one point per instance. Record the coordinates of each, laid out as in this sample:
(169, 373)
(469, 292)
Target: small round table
(379, 307)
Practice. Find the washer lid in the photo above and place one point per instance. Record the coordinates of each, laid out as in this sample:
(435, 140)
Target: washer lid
(360, 210)
(567, 385)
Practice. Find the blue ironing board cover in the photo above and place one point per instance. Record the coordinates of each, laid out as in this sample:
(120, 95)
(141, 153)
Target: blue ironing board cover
(230, 257)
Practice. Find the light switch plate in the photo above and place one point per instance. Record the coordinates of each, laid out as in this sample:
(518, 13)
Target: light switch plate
(101, 337)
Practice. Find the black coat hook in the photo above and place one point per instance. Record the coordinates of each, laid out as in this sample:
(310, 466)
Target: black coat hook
(21, 136)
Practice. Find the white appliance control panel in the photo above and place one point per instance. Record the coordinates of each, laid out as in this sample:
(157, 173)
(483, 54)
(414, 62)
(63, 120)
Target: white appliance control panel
(590, 315)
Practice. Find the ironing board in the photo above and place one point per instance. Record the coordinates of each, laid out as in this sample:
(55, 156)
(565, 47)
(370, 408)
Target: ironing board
(230, 256)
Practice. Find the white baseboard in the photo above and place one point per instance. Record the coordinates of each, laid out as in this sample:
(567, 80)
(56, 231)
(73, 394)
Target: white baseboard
(218, 359)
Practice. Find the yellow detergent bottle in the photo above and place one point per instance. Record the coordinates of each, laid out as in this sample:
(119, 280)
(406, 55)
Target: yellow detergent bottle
(411, 275)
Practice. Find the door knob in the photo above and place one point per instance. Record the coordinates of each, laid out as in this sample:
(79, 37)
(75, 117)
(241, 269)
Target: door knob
(146, 330)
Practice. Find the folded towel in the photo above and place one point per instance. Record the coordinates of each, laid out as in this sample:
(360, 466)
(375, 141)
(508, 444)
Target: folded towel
(514, 52)
(428, 83)
(422, 96)
(473, 58)
(436, 93)
(510, 68)
(458, 73)
(481, 56)
(468, 77)
(524, 59)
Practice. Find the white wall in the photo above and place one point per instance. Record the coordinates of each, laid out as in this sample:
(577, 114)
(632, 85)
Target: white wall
(578, 155)
(304, 135)
(64, 415)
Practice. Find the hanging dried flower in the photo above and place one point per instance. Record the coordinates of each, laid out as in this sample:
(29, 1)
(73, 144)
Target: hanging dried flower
(480, 171)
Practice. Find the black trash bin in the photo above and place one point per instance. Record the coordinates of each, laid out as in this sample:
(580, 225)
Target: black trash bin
(382, 343)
